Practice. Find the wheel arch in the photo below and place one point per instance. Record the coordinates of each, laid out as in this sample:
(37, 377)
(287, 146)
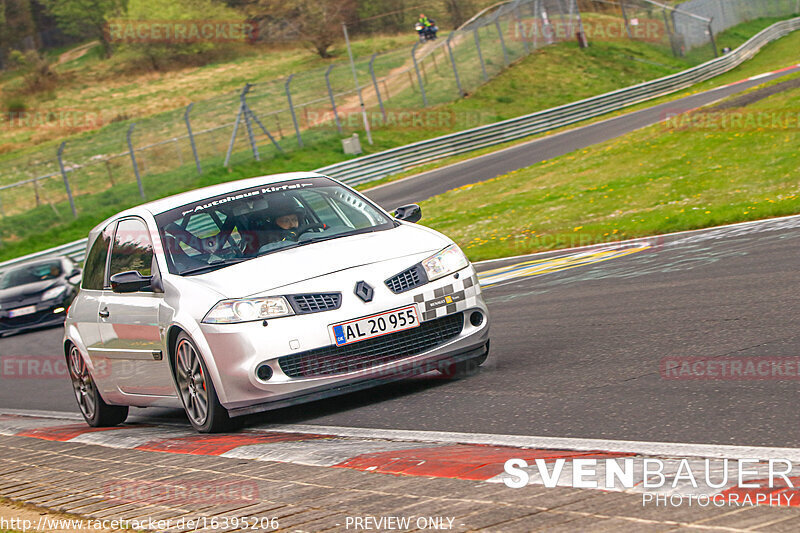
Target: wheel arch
(172, 344)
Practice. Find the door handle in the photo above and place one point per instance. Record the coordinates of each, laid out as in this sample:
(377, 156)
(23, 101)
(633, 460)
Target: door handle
(104, 313)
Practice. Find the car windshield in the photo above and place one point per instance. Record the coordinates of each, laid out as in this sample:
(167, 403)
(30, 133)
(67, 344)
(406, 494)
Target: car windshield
(237, 226)
(31, 274)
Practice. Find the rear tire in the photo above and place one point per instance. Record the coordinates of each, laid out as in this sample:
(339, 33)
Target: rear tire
(196, 389)
(95, 411)
(466, 368)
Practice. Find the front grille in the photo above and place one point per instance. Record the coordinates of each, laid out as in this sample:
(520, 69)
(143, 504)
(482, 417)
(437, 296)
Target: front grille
(333, 360)
(29, 320)
(315, 303)
(407, 279)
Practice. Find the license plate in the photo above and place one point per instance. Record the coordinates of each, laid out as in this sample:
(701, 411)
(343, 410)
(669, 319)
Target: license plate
(373, 326)
(22, 311)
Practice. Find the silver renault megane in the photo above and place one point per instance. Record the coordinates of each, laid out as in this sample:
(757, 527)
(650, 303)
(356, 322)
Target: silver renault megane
(262, 293)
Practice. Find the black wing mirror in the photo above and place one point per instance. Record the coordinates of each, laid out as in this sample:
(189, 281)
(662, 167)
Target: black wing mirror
(408, 213)
(131, 281)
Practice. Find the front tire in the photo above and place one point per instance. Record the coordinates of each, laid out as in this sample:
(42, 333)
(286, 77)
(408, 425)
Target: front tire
(95, 411)
(196, 389)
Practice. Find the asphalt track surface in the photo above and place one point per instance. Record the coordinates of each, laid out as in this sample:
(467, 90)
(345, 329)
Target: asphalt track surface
(577, 353)
(435, 182)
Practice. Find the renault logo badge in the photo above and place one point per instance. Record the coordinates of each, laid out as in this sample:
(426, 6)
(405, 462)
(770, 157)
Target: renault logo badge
(364, 291)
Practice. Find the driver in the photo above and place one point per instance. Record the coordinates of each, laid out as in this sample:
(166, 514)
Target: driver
(286, 215)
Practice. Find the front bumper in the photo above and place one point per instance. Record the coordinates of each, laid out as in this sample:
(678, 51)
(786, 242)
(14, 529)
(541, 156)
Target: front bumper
(239, 349)
(379, 376)
(44, 316)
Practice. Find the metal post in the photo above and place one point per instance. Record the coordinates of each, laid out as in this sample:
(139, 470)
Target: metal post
(333, 100)
(66, 181)
(480, 54)
(625, 16)
(108, 171)
(502, 42)
(248, 125)
(561, 14)
(242, 107)
(133, 160)
(571, 30)
(521, 30)
(671, 36)
(453, 62)
(191, 138)
(582, 31)
(666, 23)
(358, 87)
(419, 76)
(711, 36)
(291, 110)
(249, 114)
(375, 84)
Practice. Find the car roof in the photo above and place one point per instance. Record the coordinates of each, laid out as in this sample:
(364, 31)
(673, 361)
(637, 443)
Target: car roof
(165, 204)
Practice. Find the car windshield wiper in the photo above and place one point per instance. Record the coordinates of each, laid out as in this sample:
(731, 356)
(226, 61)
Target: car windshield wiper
(319, 238)
(323, 237)
(214, 266)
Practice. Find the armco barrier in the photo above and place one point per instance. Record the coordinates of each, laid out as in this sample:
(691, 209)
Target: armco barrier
(379, 165)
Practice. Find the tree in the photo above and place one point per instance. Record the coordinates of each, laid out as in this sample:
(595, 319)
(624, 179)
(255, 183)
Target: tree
(318, 22)
(17, 28)
(180, 31)
(459, 11)
(86, 18)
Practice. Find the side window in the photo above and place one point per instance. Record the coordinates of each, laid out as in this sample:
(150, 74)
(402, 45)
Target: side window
(322, 209)
(132, 249)
(354, 210)
(94, 268)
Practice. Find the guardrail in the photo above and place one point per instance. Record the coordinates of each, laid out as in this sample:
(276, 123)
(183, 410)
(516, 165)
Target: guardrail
(382, 164)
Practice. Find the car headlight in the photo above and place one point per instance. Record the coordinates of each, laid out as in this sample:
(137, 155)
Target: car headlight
(248, 310)
(52, 294)
(449, 260)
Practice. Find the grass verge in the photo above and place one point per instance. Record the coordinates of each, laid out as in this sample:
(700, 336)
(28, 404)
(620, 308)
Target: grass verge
(657, 180)
(542, 80)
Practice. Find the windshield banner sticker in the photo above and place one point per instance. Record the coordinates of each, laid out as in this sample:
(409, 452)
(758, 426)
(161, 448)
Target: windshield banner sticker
(257, 192)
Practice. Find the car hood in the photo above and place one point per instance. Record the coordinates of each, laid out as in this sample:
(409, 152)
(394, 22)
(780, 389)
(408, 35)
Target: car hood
(29, 289)
(318, 259)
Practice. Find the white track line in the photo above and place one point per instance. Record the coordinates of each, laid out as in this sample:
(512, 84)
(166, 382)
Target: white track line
(656, 449)
(638, 240)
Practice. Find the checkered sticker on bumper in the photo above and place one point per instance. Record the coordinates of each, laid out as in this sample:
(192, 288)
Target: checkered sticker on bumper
(457, 296)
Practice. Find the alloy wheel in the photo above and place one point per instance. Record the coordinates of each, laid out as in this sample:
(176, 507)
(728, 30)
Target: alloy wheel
(82, 384)
(191, 382)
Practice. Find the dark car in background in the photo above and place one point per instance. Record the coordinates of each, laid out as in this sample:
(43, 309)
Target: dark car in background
(37, 294)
